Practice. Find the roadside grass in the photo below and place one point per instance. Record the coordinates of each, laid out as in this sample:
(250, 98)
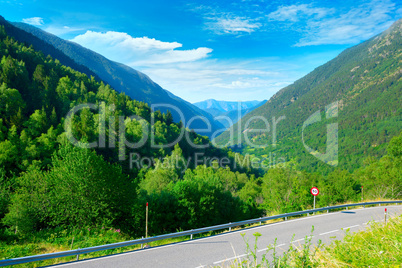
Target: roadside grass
(380, 245)
(56, 240)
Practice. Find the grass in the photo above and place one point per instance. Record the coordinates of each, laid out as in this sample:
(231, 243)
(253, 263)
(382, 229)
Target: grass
(304, 256)
(48, 241)
(378, 246)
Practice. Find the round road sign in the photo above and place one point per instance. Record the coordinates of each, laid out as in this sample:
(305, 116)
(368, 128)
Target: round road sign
(314, 191)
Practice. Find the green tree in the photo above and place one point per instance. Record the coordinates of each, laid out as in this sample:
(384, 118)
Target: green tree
(80, 190)
(395, 147)
(37, 123)
(11, 105)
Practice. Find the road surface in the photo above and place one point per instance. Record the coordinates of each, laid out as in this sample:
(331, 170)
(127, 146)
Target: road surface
(221, 250)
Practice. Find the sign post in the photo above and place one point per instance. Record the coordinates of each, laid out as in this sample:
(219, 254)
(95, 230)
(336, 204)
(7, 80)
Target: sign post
(314, 191)
(146, 221)
(385, 215)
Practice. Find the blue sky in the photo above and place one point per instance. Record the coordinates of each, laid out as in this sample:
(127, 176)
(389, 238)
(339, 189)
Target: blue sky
(226, 50)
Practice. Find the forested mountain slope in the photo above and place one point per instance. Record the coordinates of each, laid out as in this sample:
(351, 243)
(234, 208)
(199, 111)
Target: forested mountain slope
(133, 83)
(363, 82)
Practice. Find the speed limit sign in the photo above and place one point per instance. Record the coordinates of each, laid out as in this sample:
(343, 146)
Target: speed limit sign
(314, 191)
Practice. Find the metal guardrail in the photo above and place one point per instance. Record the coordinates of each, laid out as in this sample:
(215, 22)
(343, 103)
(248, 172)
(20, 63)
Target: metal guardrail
(78, 252)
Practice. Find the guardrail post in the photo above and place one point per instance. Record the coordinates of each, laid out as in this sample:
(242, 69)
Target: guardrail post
(191, 236)
(230, 228)
(78, 255)
(260, 221)
(286, 218)
(142, 245)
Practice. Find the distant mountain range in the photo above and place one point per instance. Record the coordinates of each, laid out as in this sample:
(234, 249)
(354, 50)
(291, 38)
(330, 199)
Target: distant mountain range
(359, 92)
(224, 106)
(121, 77)
(231, 109)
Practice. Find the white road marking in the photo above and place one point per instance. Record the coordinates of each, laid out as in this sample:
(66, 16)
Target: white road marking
(244, 255)
(301, 239)
(235, 257)
(372, 221)
(267, 248)
(351, 226)
(329, 232)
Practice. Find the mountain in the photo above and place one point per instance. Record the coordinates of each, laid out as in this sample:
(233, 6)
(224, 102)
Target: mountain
(235, 115)
(232, 109)
(121, 77)
(46, 48)
(224, 106)
(356, 98)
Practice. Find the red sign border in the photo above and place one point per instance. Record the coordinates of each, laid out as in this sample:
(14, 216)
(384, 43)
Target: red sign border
(311, 191)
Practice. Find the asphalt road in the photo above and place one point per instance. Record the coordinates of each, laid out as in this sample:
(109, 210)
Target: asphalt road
(221, 250)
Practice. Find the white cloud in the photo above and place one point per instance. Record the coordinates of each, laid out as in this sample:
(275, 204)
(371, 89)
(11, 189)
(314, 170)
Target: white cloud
(61, 30)
(37, 21)
(124, 40)
(230, 24)
(295, 12)
(138, 51)
(173, 56)
(223, 22)
(358, 24)
(320, 26)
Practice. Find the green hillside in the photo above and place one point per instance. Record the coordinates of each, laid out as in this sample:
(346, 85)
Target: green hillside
(122, 78)
(365, 83)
